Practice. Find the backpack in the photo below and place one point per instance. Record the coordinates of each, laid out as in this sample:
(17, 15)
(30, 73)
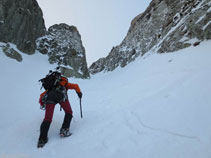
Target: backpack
(51, 80)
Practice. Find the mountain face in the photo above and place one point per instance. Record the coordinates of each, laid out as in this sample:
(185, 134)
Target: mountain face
(63, 45)
(165, 26)
(21, 23)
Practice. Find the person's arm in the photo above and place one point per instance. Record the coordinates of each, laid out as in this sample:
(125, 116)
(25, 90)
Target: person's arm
(76, 88)
(41, 96)
(73, 86)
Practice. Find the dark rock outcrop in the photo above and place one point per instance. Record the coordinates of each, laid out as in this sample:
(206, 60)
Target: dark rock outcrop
(63, 45)
(21, 23)
(165, 26)
(11, 52)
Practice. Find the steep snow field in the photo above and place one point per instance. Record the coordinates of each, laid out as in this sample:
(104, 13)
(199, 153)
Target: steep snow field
(157, 107)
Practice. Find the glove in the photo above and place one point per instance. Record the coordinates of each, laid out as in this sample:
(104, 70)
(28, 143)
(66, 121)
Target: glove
(79, 94)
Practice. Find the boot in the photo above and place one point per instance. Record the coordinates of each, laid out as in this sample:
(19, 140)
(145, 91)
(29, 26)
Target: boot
(41, 143)
(64, 131)
(43, 139)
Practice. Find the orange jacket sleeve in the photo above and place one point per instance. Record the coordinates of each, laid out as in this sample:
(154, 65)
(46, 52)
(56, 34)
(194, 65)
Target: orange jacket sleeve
(41, 96)
(73, 86)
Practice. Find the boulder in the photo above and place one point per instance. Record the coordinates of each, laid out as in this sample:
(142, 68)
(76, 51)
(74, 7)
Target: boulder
(11, 53)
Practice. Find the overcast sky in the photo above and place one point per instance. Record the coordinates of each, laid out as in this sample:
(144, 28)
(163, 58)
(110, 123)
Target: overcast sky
(101, 23)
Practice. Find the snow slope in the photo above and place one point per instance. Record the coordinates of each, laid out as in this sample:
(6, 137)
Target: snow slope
(156, 107)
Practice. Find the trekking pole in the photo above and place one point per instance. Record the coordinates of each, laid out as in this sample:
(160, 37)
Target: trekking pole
(81, 109)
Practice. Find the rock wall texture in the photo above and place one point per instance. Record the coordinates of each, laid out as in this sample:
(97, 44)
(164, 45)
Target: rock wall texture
(21, 23)
(22, 26)
(165, 26)
(62, 43)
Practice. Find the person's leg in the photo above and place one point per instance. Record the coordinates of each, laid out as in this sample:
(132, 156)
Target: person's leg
(68, 114)
(46, 122)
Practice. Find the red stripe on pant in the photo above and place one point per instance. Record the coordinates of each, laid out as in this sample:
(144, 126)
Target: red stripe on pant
(50, 109)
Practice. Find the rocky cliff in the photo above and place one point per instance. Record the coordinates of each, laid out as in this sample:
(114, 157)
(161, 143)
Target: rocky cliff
(21, 23)
(165, 26)
(63, 45)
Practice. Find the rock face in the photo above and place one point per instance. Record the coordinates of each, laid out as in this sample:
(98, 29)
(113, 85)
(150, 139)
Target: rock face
(165, 26)
(21, 23)
(63, 45)
(11, 52)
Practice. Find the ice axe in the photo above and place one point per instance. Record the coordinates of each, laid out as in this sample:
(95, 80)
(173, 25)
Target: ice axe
(81, 109)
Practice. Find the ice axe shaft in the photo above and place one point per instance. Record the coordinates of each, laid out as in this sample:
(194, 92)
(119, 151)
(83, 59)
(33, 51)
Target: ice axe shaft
(81, 109)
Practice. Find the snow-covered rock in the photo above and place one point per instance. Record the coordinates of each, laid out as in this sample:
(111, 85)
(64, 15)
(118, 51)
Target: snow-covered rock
(11, 52)
(62, 43)
(165, 26)
(22, 25)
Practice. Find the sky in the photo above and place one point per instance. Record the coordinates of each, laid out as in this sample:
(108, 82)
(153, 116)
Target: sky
(102, 24)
